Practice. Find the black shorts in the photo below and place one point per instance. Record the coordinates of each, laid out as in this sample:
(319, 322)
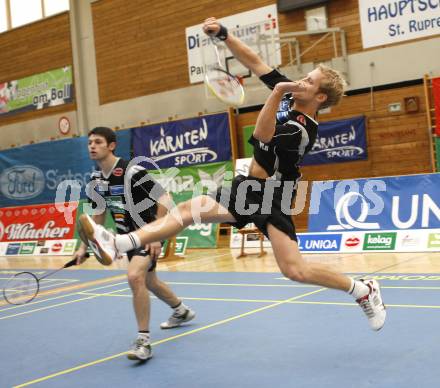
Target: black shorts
(143, 253)
(257, 205)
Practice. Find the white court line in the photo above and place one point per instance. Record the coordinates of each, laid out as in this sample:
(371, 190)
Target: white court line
(59, 297)
(109, 285)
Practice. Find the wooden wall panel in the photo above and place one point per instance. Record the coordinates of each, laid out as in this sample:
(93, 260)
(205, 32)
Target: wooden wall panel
(398, 144)
(33, 49)
(141, 45)
(141, 48)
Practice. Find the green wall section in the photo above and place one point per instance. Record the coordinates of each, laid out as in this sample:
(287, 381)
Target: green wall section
(247, 150)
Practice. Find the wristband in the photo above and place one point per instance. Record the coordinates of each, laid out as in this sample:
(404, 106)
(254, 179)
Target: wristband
(223, 33)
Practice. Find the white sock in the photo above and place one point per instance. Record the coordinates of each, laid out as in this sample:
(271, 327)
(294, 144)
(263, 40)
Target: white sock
(127, 242)
(180, 308)
(358, 289)
(145, 336)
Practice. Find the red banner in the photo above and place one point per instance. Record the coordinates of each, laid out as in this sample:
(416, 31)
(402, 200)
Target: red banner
(35, 222)
(436, 93)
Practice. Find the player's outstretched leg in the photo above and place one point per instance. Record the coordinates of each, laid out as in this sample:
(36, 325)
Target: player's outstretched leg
(293, 266)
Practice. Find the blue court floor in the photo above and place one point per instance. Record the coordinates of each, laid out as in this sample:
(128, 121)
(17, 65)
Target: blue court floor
(251, 330)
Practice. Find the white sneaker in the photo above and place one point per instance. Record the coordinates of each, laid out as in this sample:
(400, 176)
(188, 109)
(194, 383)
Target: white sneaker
(101, 241)
(140, 350)
(176, 320)
(372, 305)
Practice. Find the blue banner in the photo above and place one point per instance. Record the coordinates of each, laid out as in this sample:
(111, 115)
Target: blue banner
(123, 144)
(390, 203)
(31, 174)
(199, 140)
(339, 141)
(320, 242)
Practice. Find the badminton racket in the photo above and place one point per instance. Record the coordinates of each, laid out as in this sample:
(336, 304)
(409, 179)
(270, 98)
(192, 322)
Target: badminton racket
(222, 84)
(24, 286)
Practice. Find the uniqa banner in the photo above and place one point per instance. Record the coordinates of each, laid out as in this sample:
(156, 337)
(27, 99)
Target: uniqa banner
(339, 141)
(31, 174)
(390, 21)
(39, 91)
(389, 203)
(199, 140)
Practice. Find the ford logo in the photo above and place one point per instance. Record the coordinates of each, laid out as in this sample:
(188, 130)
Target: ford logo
(22, 182)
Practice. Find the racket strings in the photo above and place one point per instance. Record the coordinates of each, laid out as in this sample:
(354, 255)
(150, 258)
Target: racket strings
(225, 86)
(21, 288)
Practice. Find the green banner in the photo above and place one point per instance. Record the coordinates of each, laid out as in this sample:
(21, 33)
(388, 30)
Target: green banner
(39, 91)
(248, 150)
(188, 182)
(199, 235)
(437, 151)
(200, 178)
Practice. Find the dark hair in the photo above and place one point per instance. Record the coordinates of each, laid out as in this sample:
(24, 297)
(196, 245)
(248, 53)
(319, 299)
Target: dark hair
(107, 133)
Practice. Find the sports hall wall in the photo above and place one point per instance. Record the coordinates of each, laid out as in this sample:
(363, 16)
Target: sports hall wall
(142, 76)
(28, 50)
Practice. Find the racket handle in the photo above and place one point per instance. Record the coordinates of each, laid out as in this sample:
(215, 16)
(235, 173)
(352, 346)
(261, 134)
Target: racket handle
(73, 261)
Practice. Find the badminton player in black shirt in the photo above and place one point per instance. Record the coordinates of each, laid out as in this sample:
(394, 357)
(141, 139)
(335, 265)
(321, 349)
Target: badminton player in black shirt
(285, 131)
(110, 193)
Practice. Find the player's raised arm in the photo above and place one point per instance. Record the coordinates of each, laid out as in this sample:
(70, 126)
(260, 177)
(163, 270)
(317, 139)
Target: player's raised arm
(265, 126)
(242, 52)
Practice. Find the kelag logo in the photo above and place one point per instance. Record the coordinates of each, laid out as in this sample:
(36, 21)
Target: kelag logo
(27, 248)
(320, 242)
(379, 241)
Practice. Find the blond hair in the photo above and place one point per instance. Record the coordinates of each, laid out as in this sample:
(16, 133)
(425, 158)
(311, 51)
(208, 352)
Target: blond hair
(332, 85)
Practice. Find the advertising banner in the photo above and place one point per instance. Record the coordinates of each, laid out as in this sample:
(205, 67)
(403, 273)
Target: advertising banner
(390, 21)
(254, 27)
(203, 176)
(427, 240)
(198, 140)
(39, 91)
(339, 141)
(38, 248)
(199, 235)
(376, 204)
(31, 174)
(38, 222)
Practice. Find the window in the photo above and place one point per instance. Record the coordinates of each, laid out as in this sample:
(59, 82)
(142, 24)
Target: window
(52, 7)
(3, 16)
(20, 12)
(25, 11)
